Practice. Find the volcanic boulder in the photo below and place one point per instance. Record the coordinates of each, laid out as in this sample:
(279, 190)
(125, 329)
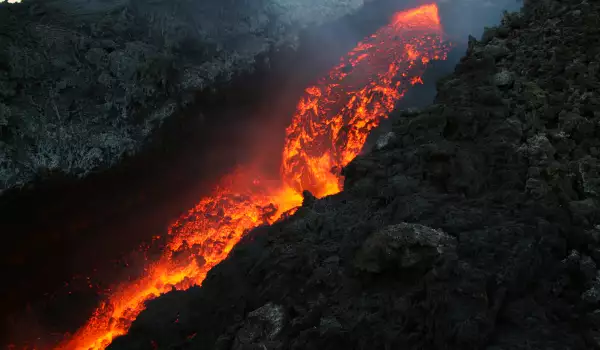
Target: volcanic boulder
(262, 326)
(402, 247)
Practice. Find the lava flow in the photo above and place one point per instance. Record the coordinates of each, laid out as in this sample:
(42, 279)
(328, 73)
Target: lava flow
(328, 130)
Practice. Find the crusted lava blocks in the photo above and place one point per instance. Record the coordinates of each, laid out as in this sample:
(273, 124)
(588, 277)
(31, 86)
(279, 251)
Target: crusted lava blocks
(473, 227)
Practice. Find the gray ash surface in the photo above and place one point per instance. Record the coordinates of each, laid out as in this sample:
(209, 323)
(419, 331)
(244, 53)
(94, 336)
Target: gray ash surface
(475, 227)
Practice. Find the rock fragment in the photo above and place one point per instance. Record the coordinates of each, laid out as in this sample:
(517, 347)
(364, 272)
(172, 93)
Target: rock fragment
(503, 79)
(402, 246)
(261, 326)
(384, 140)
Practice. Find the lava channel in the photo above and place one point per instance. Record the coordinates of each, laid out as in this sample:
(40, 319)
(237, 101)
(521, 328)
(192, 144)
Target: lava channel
(328, 130)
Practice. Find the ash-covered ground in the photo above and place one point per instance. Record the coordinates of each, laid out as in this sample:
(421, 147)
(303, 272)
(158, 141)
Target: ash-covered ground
(474, 227)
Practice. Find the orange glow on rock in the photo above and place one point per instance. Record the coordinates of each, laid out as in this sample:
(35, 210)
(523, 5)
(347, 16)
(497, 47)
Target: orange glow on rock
(335, 116)
(328, 130)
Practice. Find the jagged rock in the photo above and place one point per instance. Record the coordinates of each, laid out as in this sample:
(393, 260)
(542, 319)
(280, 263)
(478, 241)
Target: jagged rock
(534, 95)
(96, 56)
(588, 268)
(538, 149)
(497, 51)
(592, 295)
(514, 20)
(488, 34)
(503, 79)
(261, 327)
(384, 140)
(537, 188)
(402, 246)
(589, 170)
(329, 324)
(585, 211)
(308, 199)
(358, 168)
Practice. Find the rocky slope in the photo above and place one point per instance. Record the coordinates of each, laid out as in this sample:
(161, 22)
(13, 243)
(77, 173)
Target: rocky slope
(474, 227)
(83, 83)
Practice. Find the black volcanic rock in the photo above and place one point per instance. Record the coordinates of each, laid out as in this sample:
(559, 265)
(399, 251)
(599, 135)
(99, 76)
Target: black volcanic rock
(85, 83)
(401, 248)
(490, 196)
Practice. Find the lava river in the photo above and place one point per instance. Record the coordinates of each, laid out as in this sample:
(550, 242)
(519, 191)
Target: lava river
(328, 130)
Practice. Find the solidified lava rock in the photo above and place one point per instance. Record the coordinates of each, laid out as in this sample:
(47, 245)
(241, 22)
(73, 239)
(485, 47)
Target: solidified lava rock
(491, 194)
(120, 68)
(400, 248)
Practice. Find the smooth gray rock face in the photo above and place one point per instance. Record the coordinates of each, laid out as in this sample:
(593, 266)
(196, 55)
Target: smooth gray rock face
(85, 82)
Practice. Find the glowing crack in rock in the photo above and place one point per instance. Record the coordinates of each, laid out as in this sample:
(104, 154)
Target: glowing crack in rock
(328, 130)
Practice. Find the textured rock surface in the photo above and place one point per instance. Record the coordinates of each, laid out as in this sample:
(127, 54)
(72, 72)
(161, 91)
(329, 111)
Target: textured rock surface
(400, 248)
(83, 83)
(492, 192)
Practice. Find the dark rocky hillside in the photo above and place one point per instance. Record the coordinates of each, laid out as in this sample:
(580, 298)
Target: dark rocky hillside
(475, 227)
(84, 83)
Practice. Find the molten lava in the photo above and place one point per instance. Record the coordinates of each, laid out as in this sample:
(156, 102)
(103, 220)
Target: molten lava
(335, 117)
(329, 129)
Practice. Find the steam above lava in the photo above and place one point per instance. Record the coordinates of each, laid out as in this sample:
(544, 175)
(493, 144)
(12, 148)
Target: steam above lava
(328, 130)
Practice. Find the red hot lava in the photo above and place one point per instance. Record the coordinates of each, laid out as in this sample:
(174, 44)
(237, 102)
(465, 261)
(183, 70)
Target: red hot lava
(328, 130)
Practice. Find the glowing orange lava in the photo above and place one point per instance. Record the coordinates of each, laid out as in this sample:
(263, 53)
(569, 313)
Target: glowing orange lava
(329, 129)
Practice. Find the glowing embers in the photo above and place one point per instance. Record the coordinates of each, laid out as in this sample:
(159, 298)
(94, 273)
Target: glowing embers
(200, 240)
(335, 117)
(329, 129)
